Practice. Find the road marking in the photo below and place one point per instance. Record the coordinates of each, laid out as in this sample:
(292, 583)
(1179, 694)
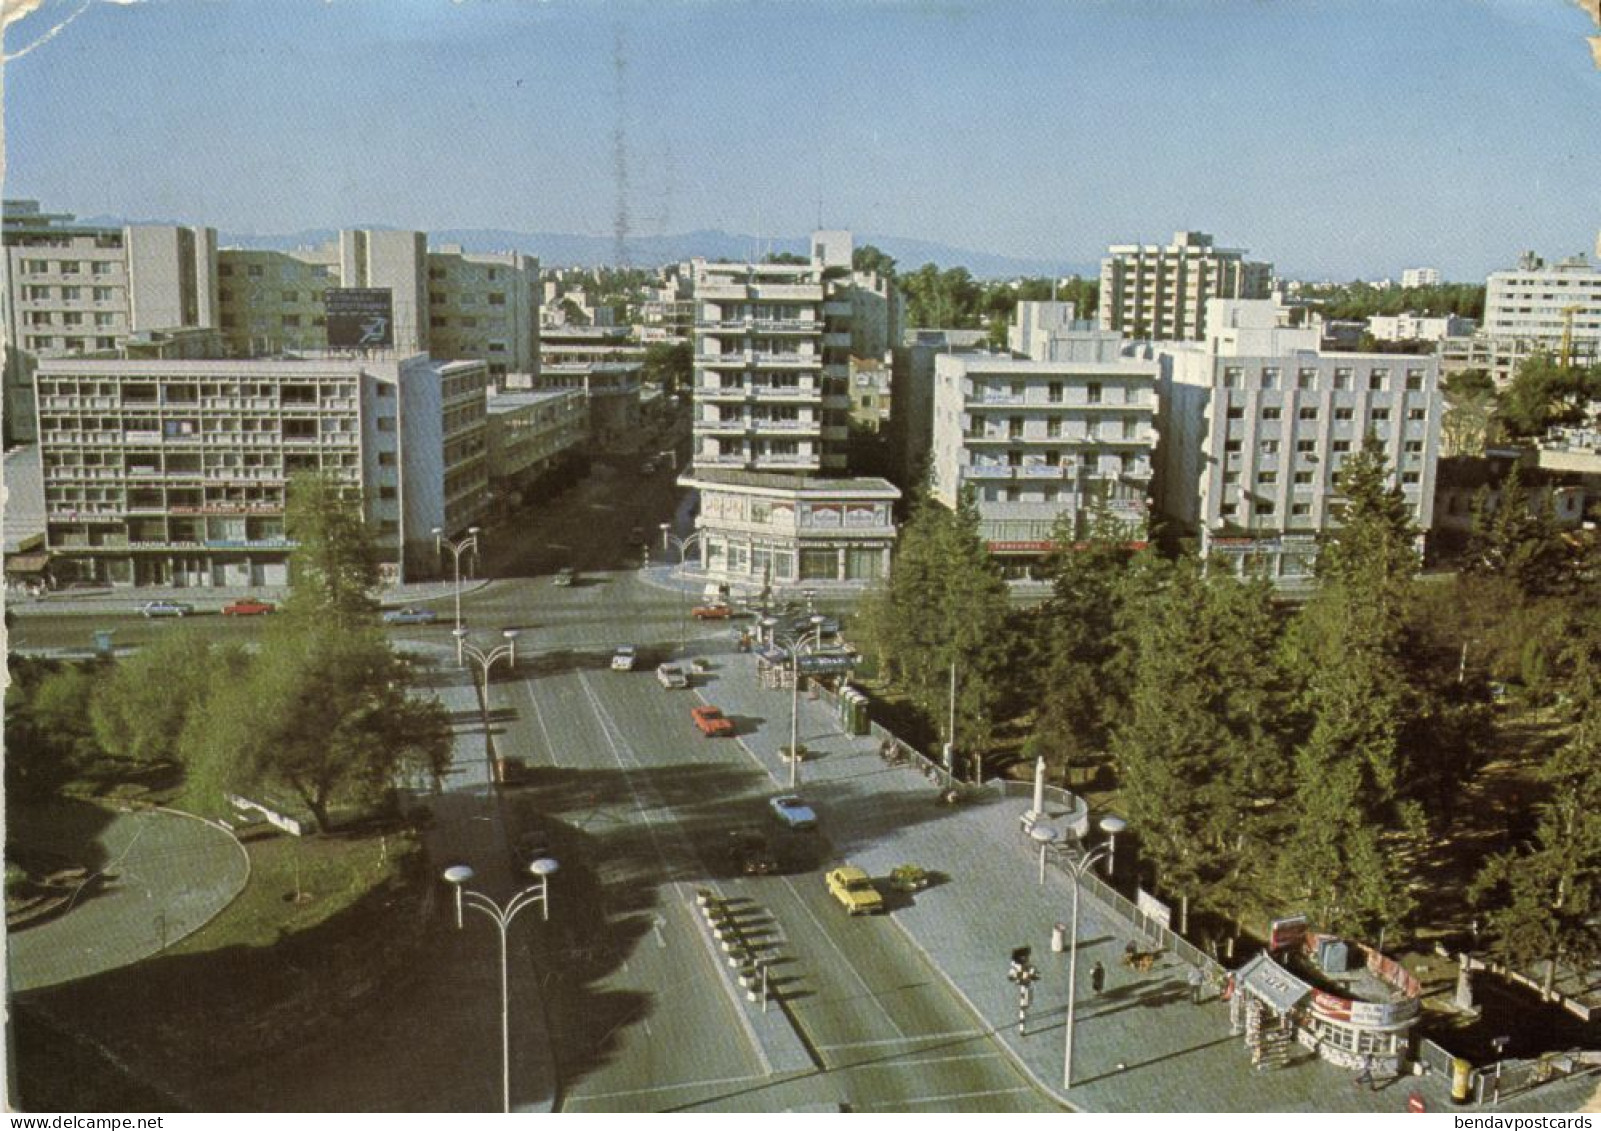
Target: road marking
(656, 924)
(860, 981)
(584, 1097)
(899, 1063)
(539, 717)
(950, 1096)
(950, 1035)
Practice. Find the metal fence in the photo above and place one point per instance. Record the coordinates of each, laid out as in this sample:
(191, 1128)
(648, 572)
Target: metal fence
(1435, 1058)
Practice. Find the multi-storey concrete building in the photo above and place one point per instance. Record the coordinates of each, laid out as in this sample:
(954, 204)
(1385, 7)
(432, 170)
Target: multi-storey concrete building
(1152, 292)
(1256, 424)
(1420, 277)
(1545, 304)
(604, 362)
(176, 472)
(71, 288)
(528, 434)
(1410, 327)
(772, 355)
(1066, 433)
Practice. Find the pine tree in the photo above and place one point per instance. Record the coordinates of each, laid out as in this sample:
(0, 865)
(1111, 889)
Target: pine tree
(333, 569)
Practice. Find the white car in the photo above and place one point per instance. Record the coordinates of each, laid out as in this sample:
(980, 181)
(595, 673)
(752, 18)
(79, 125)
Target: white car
(165, 609)
(671, 676)
(624, 658)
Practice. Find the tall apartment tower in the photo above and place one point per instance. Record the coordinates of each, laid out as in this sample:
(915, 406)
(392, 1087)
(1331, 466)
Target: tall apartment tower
(1156, 293)
(1541, 303)
(1256, 423)
(772, 362)
(72, 289)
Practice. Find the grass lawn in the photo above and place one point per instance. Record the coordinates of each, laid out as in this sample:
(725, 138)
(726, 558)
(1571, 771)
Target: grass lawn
(264, 973)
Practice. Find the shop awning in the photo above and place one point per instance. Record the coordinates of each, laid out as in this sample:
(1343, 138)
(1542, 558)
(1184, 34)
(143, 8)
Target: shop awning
(28, 563)
(1266, 979)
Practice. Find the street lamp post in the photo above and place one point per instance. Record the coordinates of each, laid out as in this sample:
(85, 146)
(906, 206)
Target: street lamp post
(1111, 825)
(457, 546)
(487, 660)
(794, 647)
(1078, 868)
(458, 876)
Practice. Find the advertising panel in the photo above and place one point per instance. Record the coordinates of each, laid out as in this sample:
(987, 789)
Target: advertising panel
(360, 317)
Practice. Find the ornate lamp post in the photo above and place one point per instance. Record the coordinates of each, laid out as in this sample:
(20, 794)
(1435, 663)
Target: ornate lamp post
(457, 547)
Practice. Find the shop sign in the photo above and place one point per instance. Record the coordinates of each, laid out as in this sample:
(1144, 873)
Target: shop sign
(1286, 933)
(861, 516)
(827, 515)
(1152, 908)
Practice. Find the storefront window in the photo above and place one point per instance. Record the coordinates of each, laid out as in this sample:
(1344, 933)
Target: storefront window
(864, 563)
(819, 564)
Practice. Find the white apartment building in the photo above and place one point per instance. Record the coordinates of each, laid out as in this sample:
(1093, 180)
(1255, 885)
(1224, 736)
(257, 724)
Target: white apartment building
(772, 356)
(1256, 423)
(1410, 327)
(1542, 304)
(1420, 277)
(176, 472)
(605, 363)
(1066, 433)
(527, 434)
(1159, 293)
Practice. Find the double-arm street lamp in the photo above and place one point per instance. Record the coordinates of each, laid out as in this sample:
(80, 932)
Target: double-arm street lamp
(487, 659)
(1077, 869)
(795, 647)
(457, 547)
(458, 876)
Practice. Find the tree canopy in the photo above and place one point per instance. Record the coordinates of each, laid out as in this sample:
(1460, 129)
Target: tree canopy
(333, 569)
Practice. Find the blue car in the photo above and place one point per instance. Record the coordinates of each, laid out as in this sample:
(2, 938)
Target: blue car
(411, 616)
(792, 812)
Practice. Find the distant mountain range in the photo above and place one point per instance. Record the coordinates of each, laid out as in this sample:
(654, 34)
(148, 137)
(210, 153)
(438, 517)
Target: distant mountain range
(556, 249)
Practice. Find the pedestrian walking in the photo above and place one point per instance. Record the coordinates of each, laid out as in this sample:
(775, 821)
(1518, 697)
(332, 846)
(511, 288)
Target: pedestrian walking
(1196, 982)
(1366, 1076)
(1097, 978)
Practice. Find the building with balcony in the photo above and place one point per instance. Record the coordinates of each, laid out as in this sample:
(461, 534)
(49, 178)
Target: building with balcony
(1410, 327)
(605, 364)
(1159, 293)
(759, 530)
(1256, 423)
(176, 472)
(1537, 308)
(1066, 434)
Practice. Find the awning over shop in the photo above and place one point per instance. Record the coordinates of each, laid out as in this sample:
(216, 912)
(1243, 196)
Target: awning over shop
(27, 563)
(1266, 979)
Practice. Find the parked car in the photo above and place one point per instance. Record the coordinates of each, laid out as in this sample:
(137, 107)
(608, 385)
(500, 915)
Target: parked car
(712, 722)
(565, 576)
(166, 609)
(712, 612)
(671, 676)
(792, 812)
(411, 616)
(851, 886)
(247, 607)
(749, 853)
(624, 658)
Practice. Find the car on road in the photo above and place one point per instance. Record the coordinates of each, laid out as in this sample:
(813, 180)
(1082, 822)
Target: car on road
(624, 659)
(792, 812)
(565, 576)
(749, 853)
(247, 607)
(166, 609)
(712, 612)
(712, 722)
(852, 887)
(672, 677)
(410, 615)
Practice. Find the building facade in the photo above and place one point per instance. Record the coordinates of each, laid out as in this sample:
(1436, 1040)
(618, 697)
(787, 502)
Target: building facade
(1159, 293)
(1068, 436)
(1410, 327)
(1420, 277)
(756, 530)
(176, 472)
(528, 433)
(1256, 424)
(1540, 307)
(605, 363)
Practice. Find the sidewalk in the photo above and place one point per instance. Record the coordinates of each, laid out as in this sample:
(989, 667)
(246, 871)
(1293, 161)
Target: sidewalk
(1138, 1046)
(209, 599)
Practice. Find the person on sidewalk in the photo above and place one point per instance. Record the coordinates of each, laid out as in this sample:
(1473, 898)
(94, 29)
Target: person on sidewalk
(1196, 981)
(1097, 978)
(1366, 1076)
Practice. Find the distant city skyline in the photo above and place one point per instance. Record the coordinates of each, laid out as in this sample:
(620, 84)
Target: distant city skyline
(1339, 139)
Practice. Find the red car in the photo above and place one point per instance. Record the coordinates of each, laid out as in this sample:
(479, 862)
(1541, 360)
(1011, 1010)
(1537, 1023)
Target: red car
(247, 607)
(712, 722)
(713, 612)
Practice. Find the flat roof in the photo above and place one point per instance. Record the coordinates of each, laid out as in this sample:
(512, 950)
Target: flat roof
(780, 481)
(525, 398)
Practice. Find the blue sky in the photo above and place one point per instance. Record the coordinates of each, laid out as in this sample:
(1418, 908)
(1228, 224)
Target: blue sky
(1332, 137)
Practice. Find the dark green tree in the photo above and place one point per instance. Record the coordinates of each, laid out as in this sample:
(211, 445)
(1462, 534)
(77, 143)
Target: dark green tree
(1545, 393)
(670, 365)
(1345, 652)
(1200, 758)
(868, 258)
(48, 739)
(322, 717)
(1517, 537)
(142, 706)
(333, 569)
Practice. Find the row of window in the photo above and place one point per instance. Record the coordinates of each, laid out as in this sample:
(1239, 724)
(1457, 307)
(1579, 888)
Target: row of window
(69, 318)
(41, 342)
(1311, 412)
(1307, 447)
(66, 267)
(69, 294)
(1344, 378)
(467, 298)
